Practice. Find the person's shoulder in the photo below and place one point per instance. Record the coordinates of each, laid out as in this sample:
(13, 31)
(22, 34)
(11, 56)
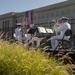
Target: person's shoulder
(63, 25)
(66, 23)
(16, 29)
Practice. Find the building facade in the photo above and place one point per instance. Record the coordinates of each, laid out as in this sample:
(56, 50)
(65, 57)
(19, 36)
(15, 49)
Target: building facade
(41, 16)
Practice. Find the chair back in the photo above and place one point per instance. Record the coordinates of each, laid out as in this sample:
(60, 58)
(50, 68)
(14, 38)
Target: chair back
(68, 32)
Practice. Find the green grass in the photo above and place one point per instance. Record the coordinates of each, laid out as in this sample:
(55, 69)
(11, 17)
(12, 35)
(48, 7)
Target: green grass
(17, 60)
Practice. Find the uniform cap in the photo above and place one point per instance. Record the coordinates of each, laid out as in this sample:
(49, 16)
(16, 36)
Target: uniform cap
(19, 24)
(65, 18)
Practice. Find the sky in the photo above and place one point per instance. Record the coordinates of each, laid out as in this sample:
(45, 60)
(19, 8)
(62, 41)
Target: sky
(7, 6)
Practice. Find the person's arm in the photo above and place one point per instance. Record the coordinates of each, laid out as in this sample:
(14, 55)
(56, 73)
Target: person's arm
(20, 29)
(28, 30)
(55, 27)
(61, 28)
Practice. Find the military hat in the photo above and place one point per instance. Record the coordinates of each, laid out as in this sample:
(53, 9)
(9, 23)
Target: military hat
(19, 24)
(65, 18)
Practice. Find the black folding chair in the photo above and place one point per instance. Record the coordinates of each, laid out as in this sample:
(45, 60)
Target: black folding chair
(65, 44)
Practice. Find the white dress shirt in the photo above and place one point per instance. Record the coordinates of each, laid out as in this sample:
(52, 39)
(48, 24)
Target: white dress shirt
(62, 29)
(18, 33)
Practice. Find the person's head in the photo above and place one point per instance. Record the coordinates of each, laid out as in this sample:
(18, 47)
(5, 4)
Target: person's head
(59, 22)
(31, 25)
(19, 25)
(65, 19)
(55, 21)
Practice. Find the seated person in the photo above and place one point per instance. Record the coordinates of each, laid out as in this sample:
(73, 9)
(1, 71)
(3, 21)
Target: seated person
(32, 30)
(19, 33)
(55, 27)
(63, 26)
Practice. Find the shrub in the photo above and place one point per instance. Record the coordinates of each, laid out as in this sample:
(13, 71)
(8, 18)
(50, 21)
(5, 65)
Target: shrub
(17, 60)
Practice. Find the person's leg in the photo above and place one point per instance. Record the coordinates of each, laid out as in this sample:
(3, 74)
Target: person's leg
(19, 38)
(24, 38)
(54, 41)
(28, 36)
(37, 41)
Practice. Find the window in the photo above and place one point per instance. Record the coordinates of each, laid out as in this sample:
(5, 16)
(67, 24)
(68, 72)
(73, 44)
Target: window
(74, 10)
(3, 25)
(19, 20)
(57, 14)
(38, 17)
(34, 18)
(68, 11)
(6, 26)
(47, 15)
(52, 14)
(16, 21)
(43, 16)
(62, 12)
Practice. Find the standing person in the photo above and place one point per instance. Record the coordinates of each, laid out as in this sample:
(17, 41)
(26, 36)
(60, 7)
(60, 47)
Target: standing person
(63, 26)
(19, 33)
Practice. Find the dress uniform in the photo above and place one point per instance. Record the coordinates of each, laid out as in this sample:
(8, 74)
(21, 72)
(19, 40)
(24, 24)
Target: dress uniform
(19, 33)
(62, 28)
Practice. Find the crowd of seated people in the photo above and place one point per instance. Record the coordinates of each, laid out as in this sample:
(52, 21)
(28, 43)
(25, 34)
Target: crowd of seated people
(30, 34)
(60, 27)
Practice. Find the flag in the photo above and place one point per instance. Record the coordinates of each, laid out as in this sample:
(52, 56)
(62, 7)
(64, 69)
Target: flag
(28, 18)
(23, 21)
